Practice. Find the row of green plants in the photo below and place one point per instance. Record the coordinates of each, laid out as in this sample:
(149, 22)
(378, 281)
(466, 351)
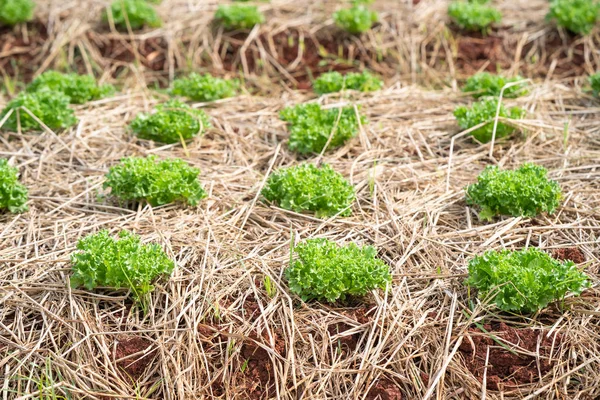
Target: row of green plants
(522, 281)
(320, 269)
(136, 14)
(576, 16)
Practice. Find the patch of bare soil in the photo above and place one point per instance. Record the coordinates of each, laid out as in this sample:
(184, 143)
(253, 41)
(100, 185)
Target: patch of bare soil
(477, 52)
(133, 355)
(569, 253)
(349, 342)
(384, 389)
(118, 52)
(506, 369)
(21, 50)
(257, 377)
(301, 55)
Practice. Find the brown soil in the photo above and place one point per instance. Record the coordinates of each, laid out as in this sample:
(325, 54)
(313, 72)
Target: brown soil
(349, 343)
(569, 253)
(134, 367)
(506, 369)
(257, 377)
(302, 55)
(477, 52)
(21, 52)
(384, 389)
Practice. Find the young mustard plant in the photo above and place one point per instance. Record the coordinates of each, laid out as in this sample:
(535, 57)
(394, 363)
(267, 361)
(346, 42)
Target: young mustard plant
(523, 192)
(356, 19)
(524, 281)
(484, 84)
(332, 82)
(157, 182)
(79, 88)
(485, 111)
(205, 87)
(595, 83)
(239, 16)
(103, 261)
(13, 12)
(306, 187)
(473, 15)
(52, 108)
(577, 16)
(311, 126)
(171, 122)
(325, 271)
(13, 195)
(136, 13)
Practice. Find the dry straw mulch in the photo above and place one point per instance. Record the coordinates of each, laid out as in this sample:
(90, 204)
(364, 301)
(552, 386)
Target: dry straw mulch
(414, 41)
(211, 331)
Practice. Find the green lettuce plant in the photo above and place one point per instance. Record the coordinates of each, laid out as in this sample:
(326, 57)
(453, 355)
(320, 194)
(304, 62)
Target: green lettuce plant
(157, 182)
(577, 16)
(13, 195)
(356, 19)
(523, 192)
(79, 88)
(138, 13)
(239, 16)
(13, 12)
(311, 126)
(205, 87)
(103, 261)
(473, 15)
(323, 270)
(523, 281)
(306, 187)
(332, 82)
(172, 122)
(484, 111)
(484, 84)
(52, 108)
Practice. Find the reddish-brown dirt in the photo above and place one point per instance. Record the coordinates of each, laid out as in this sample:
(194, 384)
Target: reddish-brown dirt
(506, 369)
(349, 342)
(21, 50)
(569, 253)
(258, 375)
(475, 52)
(301, 55)
(384, 389)
(134, 367)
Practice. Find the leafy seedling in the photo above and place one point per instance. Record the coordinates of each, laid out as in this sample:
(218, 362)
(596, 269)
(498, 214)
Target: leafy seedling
(13, 12)
(332, 82)
(356, 19)
(524, 281)
(325, 271)
(103, 261)
(485, 84)
(313, 127)
(205, 87)
(13, 195)
(157, 182)
(239, 16)
(51, 108)
(305, 187)
(135, 13)
(171, 122)
(473, 16)
(523, 192)
(576, 16)
(79, 88)
(484, 112)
